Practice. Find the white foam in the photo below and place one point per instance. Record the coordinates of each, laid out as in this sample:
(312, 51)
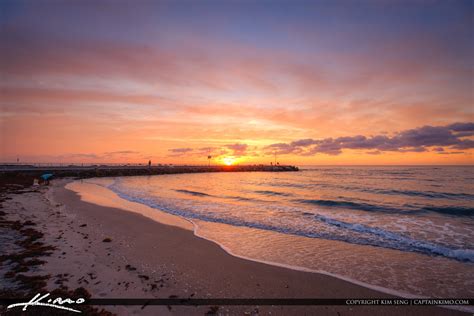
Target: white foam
(404, 242)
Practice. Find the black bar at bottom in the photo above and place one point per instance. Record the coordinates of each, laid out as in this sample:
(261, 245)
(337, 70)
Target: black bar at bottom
(264, 301)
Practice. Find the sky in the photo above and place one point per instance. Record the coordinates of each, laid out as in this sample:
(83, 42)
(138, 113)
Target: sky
(310, 82)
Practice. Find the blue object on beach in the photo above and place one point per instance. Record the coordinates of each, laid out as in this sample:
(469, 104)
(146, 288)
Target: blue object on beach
(46, 176)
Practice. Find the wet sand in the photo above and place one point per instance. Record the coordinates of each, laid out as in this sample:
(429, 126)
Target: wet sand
(114, 253)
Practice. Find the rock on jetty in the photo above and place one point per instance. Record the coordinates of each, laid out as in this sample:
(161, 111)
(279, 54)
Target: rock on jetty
(120, 171)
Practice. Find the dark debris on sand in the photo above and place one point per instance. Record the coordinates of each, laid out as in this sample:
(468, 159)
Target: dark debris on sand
(27, 254)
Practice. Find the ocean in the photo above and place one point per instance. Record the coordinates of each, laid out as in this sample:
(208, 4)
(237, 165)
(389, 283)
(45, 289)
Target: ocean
(405, 230)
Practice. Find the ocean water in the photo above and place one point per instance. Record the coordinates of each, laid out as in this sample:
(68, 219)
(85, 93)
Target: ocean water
(404, 229)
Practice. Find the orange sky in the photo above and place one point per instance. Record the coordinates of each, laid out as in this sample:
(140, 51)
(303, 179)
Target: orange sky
(237, 80)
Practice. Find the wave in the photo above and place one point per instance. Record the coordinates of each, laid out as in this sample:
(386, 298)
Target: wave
(450, 210)
(202, 194)
(268, 192)
(414, 193)
(428, 194)
(289, 185)
(241, 198)
(398, 173)
(350, 205)
(195, 193)
(362, 234)
(407, 208)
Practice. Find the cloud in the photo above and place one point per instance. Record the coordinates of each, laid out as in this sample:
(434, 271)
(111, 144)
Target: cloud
(412, 140)
(462, 127)
(238, 149)
(105, 155)
(283, 148)
(464, 144)
(303, 142)
(180, 150)
(206, 150)
(452, 153)
(79, 156)
(196, 82)
(375, 152)
(121, 152)
(213, 151)
(176, 152)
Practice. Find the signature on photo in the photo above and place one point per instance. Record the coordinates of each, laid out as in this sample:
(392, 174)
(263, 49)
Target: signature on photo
(58, 303)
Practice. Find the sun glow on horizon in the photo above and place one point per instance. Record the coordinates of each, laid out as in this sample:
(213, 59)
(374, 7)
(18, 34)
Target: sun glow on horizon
(229, 160)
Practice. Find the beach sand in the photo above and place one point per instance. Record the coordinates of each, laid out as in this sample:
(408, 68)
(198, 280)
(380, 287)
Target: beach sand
(115, 253)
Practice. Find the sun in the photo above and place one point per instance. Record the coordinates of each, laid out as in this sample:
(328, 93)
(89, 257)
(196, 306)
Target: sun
(228, 161)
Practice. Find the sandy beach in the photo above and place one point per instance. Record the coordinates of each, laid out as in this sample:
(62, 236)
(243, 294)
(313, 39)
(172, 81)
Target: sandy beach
(118, 253)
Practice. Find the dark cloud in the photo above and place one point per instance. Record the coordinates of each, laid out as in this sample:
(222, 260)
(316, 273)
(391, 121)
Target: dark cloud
(462, 127)
(412, 140)
(283, 148)
(425, 136)
(303, 142)
(464, 144)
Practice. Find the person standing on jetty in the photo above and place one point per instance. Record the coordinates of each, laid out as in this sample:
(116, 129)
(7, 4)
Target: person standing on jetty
(149, 164)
